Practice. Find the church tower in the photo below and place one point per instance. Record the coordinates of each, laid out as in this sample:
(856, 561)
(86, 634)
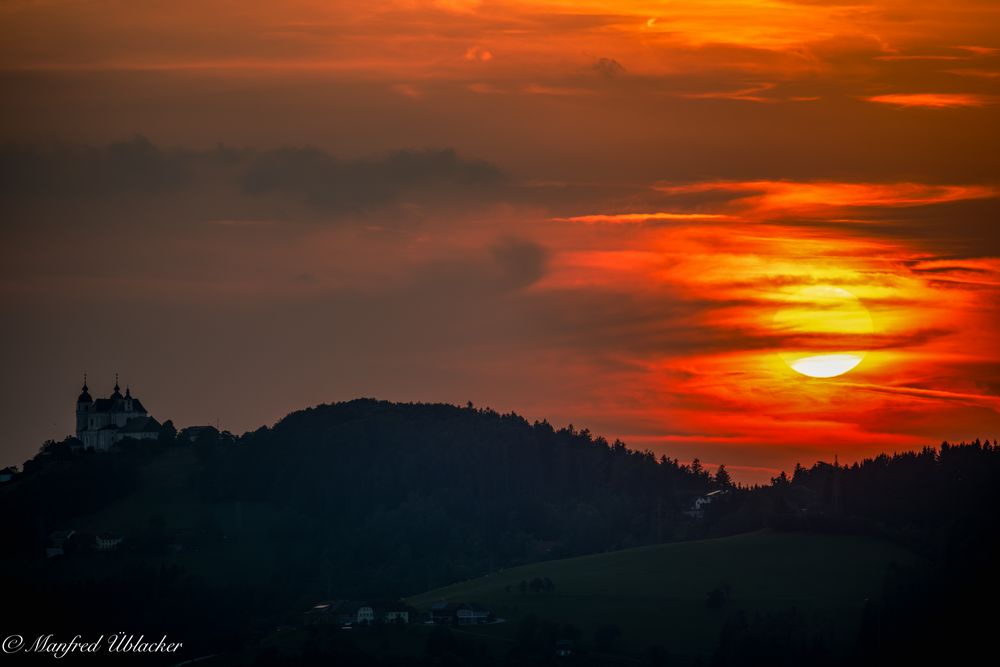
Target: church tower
(83, 406)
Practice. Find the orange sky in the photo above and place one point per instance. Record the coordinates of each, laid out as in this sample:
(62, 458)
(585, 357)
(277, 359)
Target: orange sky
(599, 209)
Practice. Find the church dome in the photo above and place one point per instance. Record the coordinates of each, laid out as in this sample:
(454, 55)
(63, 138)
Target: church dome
(84, 396)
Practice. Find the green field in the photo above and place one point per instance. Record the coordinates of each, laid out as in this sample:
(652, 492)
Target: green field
(658, 594)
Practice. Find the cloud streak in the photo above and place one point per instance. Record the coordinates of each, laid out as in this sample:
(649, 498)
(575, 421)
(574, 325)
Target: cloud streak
(935, 100)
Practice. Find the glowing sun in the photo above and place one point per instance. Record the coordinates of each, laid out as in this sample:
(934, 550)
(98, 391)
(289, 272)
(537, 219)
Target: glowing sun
(820, 319)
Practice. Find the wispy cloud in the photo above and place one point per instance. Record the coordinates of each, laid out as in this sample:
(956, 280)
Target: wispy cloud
(935, 100)
(629, 218)
(785, 198)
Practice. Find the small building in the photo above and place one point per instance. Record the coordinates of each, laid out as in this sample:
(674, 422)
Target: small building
(140, 428)
(108, 542)
(698, 506)
(57, 542)
(460, 613)
(442, 612)
(399, 616)
(7, 474)
(472, 614)
(365, 614)
(193, 434)
(348, 614)
(327, 612)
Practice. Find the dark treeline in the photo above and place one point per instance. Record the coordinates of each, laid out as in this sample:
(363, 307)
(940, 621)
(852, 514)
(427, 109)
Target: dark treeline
(419, 494)
(928, 500)
(943, 503)
(407, 497)
(363, 499)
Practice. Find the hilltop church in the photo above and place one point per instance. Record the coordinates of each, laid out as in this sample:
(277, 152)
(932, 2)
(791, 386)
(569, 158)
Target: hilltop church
(102, 423)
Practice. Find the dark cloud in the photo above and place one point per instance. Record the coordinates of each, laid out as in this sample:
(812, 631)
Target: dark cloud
(330, 183)
(956, 229)
(608, 67)
(131, 166)
(522, 262)
(232, 184)
(463, 289)
(663, 323)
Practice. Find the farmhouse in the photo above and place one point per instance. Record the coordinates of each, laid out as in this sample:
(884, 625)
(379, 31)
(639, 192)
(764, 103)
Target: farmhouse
(460, 613)
(472, 614)
(365, 614)
(442, 612)
(345, 613)
(57, 542)
(108, 542)
(396, 616)
(698, 506)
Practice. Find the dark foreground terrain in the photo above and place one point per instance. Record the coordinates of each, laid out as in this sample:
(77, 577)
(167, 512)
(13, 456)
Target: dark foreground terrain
(580, 546)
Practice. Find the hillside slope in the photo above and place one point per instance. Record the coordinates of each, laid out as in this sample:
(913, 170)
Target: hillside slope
(658, 594)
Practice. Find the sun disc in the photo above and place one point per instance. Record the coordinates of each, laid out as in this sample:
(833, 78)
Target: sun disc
(817, 319)
(826, 365)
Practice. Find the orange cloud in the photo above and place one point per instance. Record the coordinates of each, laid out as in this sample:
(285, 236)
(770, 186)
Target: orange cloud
(683, 321)
(626, 218)
(797, 198)
(935, 100)
(477, 53)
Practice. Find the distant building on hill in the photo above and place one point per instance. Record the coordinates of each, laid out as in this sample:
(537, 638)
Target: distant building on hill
(442, 612)
(564, 648)
(472, 614)
(395, 615)
(365, 614)
(347, 614)
(102, 423)
(460, 613)
(698, 506)
(193, 434)
(108, 542)
(57, 542)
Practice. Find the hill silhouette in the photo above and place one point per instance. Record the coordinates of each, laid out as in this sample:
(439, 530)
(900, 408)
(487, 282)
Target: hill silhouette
(363, 499)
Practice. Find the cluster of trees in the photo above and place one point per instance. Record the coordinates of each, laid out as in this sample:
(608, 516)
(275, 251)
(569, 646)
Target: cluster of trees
(929, 500)
(536, 585)
(941, 502)
(399, 498)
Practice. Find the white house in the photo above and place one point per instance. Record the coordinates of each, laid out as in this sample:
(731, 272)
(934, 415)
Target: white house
(698, 506)
(472, 614)
(396, 616)
(57, 542)
(108, 542)
(366, 614)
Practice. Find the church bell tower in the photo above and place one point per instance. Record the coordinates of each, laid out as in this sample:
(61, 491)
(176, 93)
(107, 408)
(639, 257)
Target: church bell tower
(83, 405)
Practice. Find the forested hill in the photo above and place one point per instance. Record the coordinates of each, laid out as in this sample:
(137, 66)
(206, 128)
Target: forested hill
(367, 497)
(438, 492)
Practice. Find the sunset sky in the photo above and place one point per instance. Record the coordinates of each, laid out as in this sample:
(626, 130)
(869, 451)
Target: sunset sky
(598, 213)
